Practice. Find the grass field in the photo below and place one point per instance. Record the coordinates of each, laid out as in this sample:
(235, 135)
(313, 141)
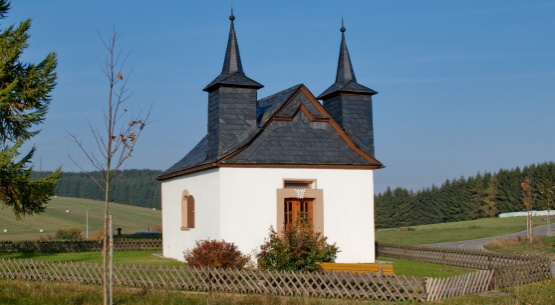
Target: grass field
(454, 231)
(64, 213)
(47, 293)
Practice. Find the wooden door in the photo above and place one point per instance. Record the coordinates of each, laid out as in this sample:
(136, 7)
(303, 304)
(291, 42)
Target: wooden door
(297, 212)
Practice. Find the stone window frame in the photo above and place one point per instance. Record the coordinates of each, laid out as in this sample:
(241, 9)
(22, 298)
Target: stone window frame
(317, 195)
(187, 211)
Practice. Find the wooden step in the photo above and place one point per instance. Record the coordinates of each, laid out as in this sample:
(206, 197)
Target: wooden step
(379, 269)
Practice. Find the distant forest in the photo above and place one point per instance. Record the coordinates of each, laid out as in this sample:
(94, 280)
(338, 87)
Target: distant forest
(133, 187)
(484, 195)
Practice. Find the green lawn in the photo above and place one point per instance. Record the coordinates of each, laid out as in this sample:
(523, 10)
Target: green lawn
(423, 269)
(454, 231)
(145, 257)
(130, 218)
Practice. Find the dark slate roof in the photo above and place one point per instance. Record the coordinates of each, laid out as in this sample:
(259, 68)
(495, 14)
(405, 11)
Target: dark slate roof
(292, 107)
(299, 141)
(196, 157)
(237, 79)
(295, 141)
(268, 106)
(348, 87)
(345, 80)
(232, 71)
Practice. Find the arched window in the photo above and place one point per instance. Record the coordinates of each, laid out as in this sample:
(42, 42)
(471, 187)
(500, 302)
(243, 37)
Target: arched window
(187, 211)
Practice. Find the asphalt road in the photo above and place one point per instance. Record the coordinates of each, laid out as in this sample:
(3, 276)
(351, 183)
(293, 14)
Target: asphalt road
(478, 244)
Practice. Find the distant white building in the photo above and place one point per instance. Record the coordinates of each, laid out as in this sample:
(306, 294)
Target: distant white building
(275, 161)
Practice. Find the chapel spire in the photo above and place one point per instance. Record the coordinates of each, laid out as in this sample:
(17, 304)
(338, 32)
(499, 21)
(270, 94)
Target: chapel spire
(232, 100)
(232, 71)
(345, 80)
(350, 103)
(232, 59)
(345, 70)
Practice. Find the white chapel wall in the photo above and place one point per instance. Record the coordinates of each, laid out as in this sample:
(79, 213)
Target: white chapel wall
(239, 206)
(204, 186)
(248, 207)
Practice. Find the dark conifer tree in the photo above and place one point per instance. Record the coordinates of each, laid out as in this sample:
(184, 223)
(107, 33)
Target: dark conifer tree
(24, 99)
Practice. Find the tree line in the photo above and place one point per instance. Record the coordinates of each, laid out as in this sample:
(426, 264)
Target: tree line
(133, 186)
(481, 196)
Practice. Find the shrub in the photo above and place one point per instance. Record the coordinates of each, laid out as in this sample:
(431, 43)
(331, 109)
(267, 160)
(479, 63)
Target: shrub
(216, 254)
(297, 249)
(69, 234)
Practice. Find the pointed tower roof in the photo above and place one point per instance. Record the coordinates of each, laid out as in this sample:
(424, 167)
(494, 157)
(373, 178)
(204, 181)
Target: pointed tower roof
(232, 71)
(345, 80)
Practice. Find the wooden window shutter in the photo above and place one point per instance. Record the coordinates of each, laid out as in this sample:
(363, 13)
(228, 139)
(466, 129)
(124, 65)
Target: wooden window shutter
(190, 212)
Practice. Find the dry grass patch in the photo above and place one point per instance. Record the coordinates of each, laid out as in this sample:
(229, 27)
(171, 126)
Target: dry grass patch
(520, 245)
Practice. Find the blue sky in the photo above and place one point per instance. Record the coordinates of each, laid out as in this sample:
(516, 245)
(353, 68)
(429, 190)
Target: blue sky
(464, 86)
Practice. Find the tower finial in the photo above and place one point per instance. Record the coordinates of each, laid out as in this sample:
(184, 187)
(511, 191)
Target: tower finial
(342, 29)
(231, 17)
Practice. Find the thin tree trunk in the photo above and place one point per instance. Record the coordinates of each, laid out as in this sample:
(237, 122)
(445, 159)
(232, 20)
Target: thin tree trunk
(548, 221)
(111, 260)
(529, 226)
(105, 248)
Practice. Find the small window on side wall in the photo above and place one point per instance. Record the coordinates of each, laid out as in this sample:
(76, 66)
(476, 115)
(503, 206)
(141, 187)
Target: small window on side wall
(187, 211)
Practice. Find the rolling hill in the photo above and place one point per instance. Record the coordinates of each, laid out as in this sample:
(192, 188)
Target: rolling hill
(65, 212)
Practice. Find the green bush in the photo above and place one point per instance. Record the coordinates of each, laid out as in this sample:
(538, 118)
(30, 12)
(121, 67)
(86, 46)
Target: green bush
(69, 234)
(296, 249)
(216, 254)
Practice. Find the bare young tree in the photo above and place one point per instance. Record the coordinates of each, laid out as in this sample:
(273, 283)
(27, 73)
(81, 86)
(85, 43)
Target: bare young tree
(528, 204)
(114, 143)
(547, 189)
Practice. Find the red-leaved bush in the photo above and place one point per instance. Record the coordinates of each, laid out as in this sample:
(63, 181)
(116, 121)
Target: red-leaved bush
(216, 254)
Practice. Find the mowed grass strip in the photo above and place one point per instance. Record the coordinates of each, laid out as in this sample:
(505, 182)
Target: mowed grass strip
(148, 257)
(65, 213)
(144, 257)
(424, 269)
(454, 231)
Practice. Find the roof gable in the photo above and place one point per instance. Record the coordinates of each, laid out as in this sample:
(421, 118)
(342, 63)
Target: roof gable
(288, 137)
(268, 106)
(302, 97)
(299, 139)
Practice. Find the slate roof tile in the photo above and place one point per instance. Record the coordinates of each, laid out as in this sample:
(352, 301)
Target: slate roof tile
(268, 106)
(197, 156)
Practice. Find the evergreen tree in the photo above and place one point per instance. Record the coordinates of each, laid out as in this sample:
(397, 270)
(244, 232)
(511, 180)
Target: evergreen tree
(24, 99)
(490, 204)
(463, 199)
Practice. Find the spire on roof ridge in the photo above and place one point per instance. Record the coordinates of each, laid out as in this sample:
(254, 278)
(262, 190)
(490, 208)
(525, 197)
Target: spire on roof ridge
(345, 72)
(232, 60)
(232, 70)
(345, 80)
